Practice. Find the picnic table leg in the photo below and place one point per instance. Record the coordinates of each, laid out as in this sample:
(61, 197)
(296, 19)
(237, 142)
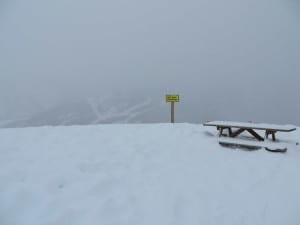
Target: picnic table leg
(220, 129)
(229, 131)
(256, 135)
(236, 133)
(268, 132)
(273, 136)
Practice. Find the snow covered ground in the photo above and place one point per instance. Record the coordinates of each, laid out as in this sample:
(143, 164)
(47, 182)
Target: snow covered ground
(157, 174)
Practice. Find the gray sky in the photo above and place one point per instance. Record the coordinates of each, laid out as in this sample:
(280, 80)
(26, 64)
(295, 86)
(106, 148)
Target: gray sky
(232, 59)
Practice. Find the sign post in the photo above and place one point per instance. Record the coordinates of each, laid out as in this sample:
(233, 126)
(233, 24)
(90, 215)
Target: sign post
(172, 99)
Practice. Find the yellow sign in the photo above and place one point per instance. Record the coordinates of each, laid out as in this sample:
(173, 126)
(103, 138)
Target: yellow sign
(172, 98)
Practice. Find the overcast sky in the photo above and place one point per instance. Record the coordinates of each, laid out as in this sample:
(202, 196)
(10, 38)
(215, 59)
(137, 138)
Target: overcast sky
(234, 59)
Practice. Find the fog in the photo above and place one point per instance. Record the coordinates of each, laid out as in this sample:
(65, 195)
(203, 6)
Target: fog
(236, 60)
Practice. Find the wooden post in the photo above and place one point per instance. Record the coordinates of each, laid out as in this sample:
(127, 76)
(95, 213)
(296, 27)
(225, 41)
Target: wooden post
(172, 99)
(172, 112)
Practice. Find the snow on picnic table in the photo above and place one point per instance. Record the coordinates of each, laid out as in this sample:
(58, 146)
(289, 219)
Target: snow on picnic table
(260, 126)
(143, 175)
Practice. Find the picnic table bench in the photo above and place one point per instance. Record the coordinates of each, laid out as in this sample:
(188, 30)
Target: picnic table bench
(270, 129)
(270, 146)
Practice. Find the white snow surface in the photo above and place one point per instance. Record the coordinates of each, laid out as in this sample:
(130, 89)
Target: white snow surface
(158, 174)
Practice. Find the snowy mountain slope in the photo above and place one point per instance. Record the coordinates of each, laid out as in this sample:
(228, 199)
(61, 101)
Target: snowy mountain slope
(110, 109)
(127, 112)
(143, 174)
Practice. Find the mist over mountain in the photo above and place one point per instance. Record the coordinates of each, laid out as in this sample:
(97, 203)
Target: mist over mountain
(130, 108)
(118, 109)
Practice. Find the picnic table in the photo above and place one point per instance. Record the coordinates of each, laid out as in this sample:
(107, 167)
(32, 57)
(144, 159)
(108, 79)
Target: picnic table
(270, 129)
